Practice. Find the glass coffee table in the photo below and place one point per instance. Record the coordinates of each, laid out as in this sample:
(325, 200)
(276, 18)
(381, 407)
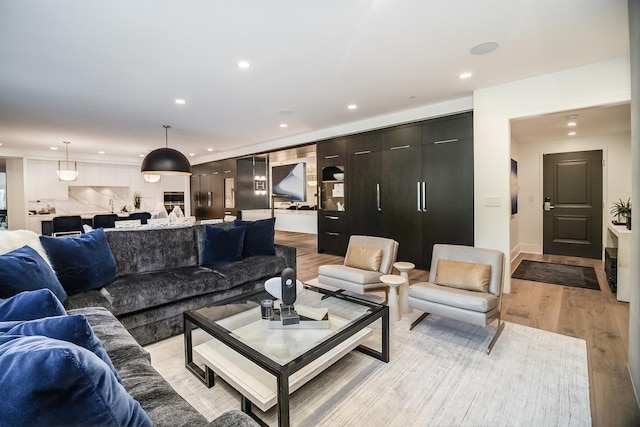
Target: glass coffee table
(266, 361)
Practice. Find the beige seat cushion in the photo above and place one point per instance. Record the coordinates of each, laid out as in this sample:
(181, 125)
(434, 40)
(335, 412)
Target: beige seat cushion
(349, 274)
(463, 275)
(363, 257)
(467, 300)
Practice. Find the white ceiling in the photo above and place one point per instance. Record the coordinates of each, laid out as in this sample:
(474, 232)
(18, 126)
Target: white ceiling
(104, 74)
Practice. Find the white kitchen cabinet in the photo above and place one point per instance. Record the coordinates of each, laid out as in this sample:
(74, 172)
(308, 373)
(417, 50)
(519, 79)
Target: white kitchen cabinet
(42, 181)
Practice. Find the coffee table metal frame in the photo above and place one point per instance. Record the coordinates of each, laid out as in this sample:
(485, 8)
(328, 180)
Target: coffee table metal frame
(193, 319)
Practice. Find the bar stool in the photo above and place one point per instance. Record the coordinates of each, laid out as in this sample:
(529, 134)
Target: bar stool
(105, 220)
(69, 224)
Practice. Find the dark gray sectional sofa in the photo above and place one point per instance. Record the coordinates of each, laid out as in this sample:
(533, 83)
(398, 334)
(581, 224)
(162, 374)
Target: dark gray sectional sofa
(159, 278)
(165, 407)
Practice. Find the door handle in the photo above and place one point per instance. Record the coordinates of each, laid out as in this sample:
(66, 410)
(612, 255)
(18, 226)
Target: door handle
(547, 204)
(424, 196)
(419, 204)
(209, 198)
(378, 197)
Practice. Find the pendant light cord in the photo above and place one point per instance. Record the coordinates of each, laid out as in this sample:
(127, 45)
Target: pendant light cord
(166, 135)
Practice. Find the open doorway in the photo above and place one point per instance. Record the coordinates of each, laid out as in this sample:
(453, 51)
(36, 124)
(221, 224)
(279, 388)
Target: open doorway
(603, 128)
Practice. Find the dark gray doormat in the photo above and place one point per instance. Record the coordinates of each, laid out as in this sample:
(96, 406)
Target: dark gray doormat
(557, 274)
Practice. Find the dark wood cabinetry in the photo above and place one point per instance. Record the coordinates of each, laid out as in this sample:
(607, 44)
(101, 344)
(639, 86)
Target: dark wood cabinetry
(364, 184)
(333, 230)
(401, 191)
(412, 183)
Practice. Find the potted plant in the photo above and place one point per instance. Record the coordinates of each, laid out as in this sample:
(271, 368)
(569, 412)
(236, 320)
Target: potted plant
(137, 200)
(622, 210)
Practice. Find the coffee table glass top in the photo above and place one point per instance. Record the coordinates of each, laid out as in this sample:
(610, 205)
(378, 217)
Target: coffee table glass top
(282, 345)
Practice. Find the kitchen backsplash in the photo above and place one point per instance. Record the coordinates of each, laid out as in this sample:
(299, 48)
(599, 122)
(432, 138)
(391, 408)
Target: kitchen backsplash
(95, 200)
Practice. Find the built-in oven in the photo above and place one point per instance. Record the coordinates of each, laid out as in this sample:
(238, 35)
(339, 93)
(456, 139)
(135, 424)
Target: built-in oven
(173, 199)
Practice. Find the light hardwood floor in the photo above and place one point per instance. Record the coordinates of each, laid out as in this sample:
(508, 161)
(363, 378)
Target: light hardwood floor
(595, 316)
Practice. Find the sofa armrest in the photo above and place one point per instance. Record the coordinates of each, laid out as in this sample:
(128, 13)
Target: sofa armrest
(234, 419)
(288, 253)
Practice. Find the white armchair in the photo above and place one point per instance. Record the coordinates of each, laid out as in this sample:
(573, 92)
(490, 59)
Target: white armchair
(367, 259)
(469, 289)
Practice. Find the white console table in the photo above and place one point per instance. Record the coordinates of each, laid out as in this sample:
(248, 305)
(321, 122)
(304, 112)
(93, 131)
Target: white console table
(619, 237)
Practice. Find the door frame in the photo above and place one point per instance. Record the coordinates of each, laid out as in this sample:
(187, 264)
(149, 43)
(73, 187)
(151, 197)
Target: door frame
(605, 166)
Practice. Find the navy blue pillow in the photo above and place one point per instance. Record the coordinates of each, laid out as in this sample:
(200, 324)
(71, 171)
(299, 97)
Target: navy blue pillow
(25, 270)
(82, 262)
(222, 244)
(73, 328)
(45, 381)
(31, 305)
(259, 237)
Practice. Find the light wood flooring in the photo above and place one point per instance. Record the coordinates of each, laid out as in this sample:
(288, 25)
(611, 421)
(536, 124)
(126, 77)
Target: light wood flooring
(595, 316)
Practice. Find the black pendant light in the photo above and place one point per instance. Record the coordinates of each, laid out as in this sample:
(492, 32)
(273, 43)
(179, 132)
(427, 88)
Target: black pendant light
(165, 161)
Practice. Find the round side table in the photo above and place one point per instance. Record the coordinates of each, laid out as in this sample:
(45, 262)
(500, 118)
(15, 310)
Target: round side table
(393, 282)
(404, 268)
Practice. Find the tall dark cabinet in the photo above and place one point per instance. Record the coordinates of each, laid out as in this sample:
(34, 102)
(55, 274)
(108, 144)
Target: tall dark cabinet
(401, 189)
(447, 173)
(364, 184)
(412, 183)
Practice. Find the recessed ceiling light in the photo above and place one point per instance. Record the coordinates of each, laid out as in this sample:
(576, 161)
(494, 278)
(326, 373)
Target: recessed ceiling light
(244, 64)
(571, 124)
(209, 149)
(465, 75)
(287, 111)
(352, 106)
(140, 155)
(484, 48)
(180, 101)
(571, 117)
(100, 152)
(283, 125)
(192, 154)
(571, 133)
(54, 148)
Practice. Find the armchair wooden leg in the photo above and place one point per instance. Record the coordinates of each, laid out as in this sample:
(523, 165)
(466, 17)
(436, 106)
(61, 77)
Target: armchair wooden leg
(496, 336)
(418, 320)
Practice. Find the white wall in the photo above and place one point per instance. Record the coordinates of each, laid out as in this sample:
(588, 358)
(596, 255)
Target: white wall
(16, 202)
(597, 84)
(616, 152)
(634, 302)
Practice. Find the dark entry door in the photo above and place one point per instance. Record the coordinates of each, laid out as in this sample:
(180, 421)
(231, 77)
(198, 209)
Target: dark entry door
(572, 217)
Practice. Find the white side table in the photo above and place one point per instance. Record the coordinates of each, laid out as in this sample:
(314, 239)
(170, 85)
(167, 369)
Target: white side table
(404, 268)
(393, 282)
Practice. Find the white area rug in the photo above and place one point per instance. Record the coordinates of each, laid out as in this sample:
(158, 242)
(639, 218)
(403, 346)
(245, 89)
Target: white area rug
(439, 375)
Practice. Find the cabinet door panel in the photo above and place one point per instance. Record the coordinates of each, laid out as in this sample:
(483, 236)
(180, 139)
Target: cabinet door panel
(365, 213)
(448, 176)
(401, 175)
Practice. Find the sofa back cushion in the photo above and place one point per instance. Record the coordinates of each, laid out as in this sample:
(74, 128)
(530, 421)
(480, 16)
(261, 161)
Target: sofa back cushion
(54, 382)
(153, 249)
(24, 269)
(82, 262)
(31, 305)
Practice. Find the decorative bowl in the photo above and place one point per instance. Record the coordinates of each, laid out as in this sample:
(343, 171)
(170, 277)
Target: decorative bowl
(338, 176)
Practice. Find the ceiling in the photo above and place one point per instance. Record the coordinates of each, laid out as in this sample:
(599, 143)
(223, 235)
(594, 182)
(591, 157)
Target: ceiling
(593, 121)
(105, 74)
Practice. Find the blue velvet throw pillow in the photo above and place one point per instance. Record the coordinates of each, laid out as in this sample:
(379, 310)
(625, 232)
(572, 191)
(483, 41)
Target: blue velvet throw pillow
(24, 269)
(259, 237)
(48, 382)
(73, 328)
(82, 262)
(222, 244)
(31, 305)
